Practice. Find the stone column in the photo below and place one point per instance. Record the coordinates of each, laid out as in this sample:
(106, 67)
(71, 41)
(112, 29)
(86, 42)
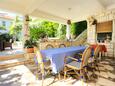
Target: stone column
(91, 32)
(68, 30)
(25, 28)
(113, 38)
(113, 32)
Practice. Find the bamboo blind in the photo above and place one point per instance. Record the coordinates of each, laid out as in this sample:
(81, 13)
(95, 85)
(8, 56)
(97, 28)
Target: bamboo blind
(104, 27)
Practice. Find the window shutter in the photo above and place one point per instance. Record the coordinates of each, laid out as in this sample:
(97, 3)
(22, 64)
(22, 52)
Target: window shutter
(104, 27)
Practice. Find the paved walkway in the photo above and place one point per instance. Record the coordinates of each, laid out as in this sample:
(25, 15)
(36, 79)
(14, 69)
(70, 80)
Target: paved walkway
(24, 75)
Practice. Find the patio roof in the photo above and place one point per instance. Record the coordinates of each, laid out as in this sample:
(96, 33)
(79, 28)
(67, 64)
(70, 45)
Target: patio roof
(58, 10)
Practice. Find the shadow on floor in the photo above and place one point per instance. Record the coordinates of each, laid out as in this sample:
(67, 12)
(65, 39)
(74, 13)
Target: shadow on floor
(8, 78)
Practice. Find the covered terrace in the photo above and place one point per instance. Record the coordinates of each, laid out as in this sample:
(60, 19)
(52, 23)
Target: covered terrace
(100, 17)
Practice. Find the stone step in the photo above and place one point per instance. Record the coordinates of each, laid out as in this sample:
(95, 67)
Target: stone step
(9, 57)
(14, 62)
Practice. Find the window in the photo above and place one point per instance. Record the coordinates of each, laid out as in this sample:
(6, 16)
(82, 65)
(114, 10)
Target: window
(101, 37)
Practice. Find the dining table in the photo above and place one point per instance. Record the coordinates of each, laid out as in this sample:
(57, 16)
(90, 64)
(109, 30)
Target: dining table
(57, 55)
(103, 49)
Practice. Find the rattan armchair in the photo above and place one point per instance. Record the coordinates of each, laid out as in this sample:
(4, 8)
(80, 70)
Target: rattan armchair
(43, 65)
(49, 46)
(79, 67)
(96, 58)
(62, 45)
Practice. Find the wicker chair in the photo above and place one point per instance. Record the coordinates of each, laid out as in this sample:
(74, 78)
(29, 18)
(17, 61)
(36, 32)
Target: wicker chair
(62, 45)
(44, 65)
(96, 58)
(79, 67)
(49, 46)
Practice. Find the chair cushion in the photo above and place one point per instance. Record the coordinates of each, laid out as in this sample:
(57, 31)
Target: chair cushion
(75, 64)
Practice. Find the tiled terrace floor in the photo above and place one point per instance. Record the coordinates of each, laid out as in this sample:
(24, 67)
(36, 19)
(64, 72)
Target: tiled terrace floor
(23, 75)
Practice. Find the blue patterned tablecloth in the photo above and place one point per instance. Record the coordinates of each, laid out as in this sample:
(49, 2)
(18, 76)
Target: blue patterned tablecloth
(56, 56)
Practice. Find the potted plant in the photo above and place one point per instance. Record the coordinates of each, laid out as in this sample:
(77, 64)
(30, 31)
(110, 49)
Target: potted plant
(29, 45)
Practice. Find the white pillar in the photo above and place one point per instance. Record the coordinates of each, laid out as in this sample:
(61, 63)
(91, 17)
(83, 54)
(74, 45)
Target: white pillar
(68, 35)
(68, 31)
(91, 31)
(113, 32)
(25, 28)
(113, 38)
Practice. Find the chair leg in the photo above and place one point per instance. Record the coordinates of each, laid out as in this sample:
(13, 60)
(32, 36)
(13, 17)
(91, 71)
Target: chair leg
(37, 73)
(59, 76)
(81, 74)
(65, 72)
(42, 79)
(36, 76)
(87, 74)
(98, 68)
(81, 77)
(43, 72)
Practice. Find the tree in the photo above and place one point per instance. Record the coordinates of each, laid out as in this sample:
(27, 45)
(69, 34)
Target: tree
(63, 32)
(50, 27)
(78, 27)
(41, 28)
(16, 28)
(2, 27)
(38, 28)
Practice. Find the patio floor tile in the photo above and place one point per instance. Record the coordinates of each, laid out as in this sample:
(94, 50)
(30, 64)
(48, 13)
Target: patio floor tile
(24, 75)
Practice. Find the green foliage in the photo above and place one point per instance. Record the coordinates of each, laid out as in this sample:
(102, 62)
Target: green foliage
(63, 32)
(37, 33)
(30, 43)
(1, 38)
(78, 27)
(16, 28)
(40, 28)
(2, 27)
(50, 27)
(5, 37)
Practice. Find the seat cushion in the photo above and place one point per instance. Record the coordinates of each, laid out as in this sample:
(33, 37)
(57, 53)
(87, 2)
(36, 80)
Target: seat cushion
(74, 64)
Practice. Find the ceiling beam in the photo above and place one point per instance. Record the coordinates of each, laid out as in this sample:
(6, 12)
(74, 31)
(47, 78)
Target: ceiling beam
(43, 15)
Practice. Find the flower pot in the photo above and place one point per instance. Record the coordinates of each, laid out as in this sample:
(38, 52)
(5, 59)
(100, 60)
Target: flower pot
(30, 50)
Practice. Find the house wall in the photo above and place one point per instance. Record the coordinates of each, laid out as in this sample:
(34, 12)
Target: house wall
(92, 35)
